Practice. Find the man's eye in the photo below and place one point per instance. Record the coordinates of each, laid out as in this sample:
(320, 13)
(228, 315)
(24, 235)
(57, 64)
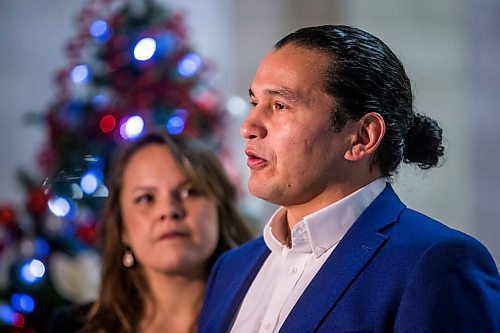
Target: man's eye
(279, 106)
(144, 198)
(253, 103)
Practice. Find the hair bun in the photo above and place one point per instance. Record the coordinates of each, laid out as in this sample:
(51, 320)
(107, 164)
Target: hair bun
(423, 142)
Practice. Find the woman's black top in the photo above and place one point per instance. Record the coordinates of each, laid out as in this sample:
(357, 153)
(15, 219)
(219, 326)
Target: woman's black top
(68, 319)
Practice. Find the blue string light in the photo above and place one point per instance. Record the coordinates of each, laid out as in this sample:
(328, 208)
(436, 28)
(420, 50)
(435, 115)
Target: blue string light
(80, 74)
(32, 271)
(175, 125)
(97, 162)
(99, 101)
(22, 303)
(181, 113)
(42, 248)
(7, 315)
(100, 31)
(189, 65)
(165, 43)
(91, 180)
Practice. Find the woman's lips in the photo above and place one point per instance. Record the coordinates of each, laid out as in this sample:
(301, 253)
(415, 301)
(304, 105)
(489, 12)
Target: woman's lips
(173, 235)
(254, 161)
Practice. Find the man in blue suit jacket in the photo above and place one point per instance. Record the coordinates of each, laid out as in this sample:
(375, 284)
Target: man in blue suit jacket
(332, 119)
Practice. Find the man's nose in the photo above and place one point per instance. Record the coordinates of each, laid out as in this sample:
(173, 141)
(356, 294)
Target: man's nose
(253, 126)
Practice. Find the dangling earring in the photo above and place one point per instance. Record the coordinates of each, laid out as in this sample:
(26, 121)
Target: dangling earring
(128, 258)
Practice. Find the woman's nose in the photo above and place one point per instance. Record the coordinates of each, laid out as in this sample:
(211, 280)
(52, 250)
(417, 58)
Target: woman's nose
(174, 211)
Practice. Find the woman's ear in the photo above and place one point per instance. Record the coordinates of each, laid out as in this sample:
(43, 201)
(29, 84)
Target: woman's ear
(125, 239)
(366, 139)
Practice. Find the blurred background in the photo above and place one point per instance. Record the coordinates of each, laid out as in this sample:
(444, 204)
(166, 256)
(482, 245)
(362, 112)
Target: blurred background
(450, 49)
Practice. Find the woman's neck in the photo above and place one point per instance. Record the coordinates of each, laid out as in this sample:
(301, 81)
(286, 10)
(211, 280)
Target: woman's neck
(176, 303)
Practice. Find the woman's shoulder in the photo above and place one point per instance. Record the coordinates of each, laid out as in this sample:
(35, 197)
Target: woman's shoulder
(68, 319)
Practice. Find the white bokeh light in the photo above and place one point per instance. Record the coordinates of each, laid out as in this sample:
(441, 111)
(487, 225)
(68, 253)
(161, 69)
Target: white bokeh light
(59, 206)
(132, 127)
(237, 106)
(89, 182)
(145, 49)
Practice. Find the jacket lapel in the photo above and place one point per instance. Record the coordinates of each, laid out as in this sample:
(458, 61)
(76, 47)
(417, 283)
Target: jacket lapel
(352, 254)
(243, 271)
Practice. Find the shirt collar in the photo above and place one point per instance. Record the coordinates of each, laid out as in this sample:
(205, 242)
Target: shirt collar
(321, 230)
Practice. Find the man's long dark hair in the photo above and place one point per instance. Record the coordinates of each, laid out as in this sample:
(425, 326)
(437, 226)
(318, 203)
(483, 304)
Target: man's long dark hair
(364, 76)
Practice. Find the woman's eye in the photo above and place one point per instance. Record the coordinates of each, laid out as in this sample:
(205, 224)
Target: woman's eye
(188, 192)
(144, 198)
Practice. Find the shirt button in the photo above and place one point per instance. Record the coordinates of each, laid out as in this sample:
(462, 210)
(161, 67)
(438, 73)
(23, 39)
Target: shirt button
(292, 270)
(268, 326)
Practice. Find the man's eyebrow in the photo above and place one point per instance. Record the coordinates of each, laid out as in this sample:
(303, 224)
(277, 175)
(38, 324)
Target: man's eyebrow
(283, 92)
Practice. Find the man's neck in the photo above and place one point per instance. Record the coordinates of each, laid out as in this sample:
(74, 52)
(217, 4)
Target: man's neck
(296, 213)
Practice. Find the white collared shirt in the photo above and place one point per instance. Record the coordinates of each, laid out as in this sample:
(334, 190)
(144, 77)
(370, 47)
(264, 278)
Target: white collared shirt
(287, 272)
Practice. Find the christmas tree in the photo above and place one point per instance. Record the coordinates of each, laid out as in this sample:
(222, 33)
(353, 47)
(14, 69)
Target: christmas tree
(130, 68)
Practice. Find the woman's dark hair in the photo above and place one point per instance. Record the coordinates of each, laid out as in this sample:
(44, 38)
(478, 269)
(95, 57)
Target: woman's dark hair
(363, 76)
(123, 292)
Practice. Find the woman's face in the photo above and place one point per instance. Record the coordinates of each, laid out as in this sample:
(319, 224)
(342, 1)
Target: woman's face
(169, 225)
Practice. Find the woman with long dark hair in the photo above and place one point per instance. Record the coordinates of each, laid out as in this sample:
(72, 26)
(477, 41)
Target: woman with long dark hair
(170, 213)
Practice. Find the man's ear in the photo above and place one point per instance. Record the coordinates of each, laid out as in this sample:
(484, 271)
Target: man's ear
(367, 137)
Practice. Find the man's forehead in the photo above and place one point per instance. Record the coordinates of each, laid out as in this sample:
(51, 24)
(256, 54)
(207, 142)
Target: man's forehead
(284, 92)
(289, 63)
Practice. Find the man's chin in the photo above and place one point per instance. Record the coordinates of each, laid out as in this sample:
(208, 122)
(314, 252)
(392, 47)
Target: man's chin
(264, 191)
(259, 188)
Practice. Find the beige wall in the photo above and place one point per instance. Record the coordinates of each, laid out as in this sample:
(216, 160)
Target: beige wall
(440, 42)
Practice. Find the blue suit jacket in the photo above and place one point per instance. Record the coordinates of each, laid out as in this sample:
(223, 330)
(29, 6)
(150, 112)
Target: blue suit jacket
(395, 270)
